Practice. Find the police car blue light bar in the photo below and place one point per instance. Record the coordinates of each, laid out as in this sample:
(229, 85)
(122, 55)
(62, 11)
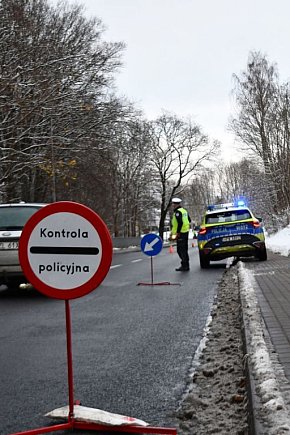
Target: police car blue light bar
(237, 203)
(240, 202)
(213, 207)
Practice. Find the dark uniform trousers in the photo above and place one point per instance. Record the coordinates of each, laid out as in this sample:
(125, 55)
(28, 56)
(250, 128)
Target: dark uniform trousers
(182, 250)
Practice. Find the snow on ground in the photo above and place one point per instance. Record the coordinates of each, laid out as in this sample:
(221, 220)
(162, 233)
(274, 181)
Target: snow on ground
(280, 242)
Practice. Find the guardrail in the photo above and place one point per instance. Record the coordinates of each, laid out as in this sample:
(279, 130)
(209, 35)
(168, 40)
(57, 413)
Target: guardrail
(125, 242)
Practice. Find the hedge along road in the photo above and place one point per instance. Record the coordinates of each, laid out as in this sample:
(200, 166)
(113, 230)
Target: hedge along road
(133, 345)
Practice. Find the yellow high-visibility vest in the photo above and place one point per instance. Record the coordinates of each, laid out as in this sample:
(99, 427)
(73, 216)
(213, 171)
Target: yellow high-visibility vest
(185, 222)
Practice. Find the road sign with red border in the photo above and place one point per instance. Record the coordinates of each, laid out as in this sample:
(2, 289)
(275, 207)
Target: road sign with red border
(65, 250)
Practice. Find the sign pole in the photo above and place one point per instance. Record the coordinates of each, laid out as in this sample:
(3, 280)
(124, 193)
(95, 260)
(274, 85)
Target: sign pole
(151, 245)
(69, 361)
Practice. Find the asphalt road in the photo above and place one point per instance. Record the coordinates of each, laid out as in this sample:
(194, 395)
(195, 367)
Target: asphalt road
(133, 345)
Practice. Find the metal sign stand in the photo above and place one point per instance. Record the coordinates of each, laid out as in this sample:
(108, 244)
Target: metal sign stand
(157, 283)
(72, 423)
(35, 257)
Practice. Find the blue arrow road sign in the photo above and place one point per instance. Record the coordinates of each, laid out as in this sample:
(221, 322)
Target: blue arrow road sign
(151, 244)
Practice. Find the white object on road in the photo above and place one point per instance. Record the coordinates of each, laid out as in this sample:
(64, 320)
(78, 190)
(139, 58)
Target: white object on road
(92, 415)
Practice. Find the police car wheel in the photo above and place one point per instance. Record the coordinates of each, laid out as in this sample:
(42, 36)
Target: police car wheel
(262, 255)
(203, 260)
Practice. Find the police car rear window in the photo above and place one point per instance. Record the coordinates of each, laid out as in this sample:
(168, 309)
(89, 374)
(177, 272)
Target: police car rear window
(227, 216)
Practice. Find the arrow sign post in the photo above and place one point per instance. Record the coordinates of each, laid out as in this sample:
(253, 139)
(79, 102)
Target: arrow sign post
(151, 245)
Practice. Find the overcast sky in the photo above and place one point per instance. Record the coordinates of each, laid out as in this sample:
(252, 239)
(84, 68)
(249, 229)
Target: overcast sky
(181, 55)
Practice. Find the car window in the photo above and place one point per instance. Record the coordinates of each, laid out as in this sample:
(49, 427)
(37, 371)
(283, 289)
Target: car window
(227, 216)
(14, 218)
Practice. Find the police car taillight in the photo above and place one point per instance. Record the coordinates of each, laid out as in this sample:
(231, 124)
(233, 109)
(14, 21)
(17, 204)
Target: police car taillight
(202, 231)
(256, 224)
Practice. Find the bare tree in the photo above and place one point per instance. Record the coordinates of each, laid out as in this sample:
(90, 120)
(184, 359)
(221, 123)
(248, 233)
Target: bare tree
(262, 124)
(55, 76)
(201, 192)
(116, 180)
(128, 159)
(178, 149)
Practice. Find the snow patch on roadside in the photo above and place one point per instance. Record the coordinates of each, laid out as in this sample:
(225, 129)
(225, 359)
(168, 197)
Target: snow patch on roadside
(280, 242)
(274, 412)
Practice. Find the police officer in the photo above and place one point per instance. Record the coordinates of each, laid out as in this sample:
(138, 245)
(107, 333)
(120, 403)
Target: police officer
(180, 225)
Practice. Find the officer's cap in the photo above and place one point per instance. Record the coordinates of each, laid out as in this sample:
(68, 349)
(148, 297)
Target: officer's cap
(176, 200)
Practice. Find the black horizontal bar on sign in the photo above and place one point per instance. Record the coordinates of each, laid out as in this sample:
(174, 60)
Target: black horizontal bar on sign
(70, 250)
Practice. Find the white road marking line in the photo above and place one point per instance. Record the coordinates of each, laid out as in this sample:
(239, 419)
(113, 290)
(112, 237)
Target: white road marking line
(136, 261)
(116, 265)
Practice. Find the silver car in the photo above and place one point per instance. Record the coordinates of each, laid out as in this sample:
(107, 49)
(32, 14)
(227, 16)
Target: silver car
(13, 217)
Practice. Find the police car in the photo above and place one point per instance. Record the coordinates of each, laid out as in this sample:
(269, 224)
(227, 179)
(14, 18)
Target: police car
(230, 230)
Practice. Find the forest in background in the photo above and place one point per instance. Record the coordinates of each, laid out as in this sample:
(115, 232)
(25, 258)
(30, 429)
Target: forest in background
(66, 135)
